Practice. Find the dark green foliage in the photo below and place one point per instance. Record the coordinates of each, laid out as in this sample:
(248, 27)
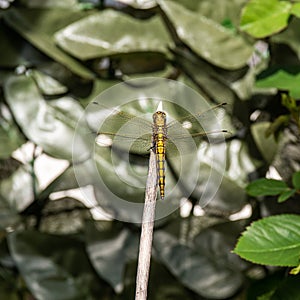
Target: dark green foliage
(57, 57)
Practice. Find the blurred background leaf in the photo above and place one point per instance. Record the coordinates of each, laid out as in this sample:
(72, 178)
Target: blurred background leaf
(56, 58)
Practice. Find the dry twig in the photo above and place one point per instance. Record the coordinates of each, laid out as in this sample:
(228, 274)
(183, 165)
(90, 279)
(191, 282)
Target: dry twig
(144, 258)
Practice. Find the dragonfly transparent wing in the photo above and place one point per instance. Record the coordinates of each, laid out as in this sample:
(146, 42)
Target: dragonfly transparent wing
(126, 132)
(186, 132)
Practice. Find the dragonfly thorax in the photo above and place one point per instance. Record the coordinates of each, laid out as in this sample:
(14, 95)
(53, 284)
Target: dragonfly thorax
(159, 118)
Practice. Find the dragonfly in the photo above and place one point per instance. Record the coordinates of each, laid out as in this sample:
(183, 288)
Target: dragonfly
(125, 131)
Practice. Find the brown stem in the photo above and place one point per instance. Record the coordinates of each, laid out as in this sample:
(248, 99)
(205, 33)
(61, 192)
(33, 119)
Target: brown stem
(144, 258)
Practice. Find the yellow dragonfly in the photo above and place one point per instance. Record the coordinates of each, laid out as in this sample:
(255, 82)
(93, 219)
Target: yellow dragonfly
(125, 131)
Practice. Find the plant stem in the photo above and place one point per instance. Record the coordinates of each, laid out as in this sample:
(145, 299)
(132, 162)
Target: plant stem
(144, 258)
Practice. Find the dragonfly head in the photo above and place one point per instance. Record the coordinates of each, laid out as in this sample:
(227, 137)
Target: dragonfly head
(159, 118)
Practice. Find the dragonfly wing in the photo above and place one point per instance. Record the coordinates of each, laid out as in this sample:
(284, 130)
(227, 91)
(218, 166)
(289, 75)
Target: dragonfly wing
(129, 143)
(187, 132)
(127, 132)
(120, 129)
(180, 141)
(111, 120)
(201, 122)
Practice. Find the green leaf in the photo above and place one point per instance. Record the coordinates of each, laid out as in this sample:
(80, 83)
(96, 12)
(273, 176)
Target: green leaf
(49, 126)
(110, 249)
(64, 216)
(272, 241)
(38, 26)
(102, 34)
(291, 37)
(266, 296)
(282, 79)
(296, 270)
(204, 36)
(266, 145)
(8, 216)
(17, 190)
(148, 4)
(203, 273)
(296, 9)
(296, 180)
(264, 18)
(50, 4)
(286, 195)
(230, 196)
(10, 136)
(275, 127)
(205, 76)
(10, 49)
(54, 267)
(287, 289)
(266, 187)
(264, 287)
(47, 84)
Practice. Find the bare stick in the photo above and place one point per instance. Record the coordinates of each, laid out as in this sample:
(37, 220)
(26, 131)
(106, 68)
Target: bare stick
(147, 231)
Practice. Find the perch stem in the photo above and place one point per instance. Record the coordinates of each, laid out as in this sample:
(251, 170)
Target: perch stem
(144, 258)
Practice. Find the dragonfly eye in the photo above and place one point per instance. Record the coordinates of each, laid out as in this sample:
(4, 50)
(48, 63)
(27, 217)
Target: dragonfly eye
(103, 140)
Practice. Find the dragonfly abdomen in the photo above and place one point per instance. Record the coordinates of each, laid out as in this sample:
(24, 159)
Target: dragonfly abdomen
(160, 160)
(160, 136)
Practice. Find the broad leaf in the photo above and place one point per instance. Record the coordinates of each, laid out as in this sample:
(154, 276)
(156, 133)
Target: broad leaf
(64, 216)
(18, 190)
(230, 195)
(146, 4)
(296, 10)
(282, 79)
(287, 289)
(195, 269)
(266, 145)
(49, 126)
(291, 37)
(110, 249)
(217, 10)
(10, 46)
(8, 215)
(264, 18)
(50, 4)
(206, 77)
(272, 241)
(204, 36)
(38, 26)
(266, 187)
(102, 34)
(10, 136)
(286, 195)
(47, 84)
(296, 180)
(53, 267)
